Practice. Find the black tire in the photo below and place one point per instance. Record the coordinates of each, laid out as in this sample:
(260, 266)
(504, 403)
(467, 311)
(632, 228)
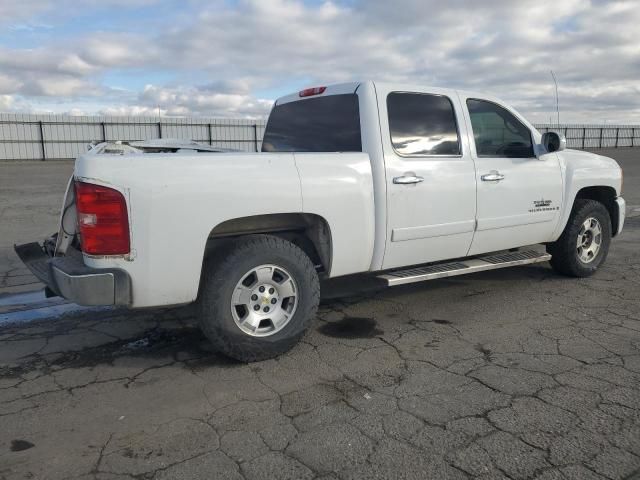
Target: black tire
(564, 254)
(222, 273)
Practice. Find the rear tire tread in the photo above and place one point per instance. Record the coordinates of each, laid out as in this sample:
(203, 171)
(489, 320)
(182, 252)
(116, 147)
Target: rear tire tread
(213, 300)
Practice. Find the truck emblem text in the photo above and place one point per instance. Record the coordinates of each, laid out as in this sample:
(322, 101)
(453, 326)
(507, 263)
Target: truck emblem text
(542, 205)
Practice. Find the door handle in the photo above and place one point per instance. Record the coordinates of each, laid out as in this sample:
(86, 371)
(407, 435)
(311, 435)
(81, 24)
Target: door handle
(408, 180)
(492, 176)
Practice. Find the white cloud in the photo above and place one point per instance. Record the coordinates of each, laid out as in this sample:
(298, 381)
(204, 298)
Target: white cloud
(9, 84)
(45, 71)
(17, 11)
(118, 50)
(203, 101)
(130, 110)
(74, 65)
(221, 53)
(13, 12)
(61, 86)
(6, 102)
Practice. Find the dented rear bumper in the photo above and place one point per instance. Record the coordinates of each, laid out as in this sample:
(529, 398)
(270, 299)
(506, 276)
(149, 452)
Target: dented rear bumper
(70, 278)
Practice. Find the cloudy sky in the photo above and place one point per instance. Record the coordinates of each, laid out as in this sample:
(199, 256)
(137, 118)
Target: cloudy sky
(231, 58)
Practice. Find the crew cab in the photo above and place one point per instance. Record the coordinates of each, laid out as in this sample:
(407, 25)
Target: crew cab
(406, 183)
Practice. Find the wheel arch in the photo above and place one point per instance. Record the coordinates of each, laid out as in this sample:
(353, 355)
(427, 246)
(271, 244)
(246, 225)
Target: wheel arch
(605, 195)
(310, 232)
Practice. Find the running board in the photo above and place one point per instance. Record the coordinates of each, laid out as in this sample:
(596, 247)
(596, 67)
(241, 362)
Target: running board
(463, 267)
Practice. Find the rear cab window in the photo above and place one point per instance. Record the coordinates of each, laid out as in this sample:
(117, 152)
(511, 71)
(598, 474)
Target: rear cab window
(328, 123)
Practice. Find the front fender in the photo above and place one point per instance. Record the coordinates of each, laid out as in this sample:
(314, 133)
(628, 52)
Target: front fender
(583, 170)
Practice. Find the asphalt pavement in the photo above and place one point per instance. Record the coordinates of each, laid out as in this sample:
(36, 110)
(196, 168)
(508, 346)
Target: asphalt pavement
(516, 373)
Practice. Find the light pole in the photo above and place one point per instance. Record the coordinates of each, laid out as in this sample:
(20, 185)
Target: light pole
(553, 75)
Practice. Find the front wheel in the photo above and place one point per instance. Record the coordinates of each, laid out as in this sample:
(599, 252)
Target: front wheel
(584, 243)
(258, 297)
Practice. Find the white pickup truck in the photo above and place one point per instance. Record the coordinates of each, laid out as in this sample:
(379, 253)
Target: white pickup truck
(407, 183)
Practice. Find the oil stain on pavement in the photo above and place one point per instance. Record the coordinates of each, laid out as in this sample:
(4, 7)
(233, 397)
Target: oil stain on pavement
(351, 327)
(21, 445)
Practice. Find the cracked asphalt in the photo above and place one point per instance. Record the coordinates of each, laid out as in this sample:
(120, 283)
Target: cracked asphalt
(516, 373)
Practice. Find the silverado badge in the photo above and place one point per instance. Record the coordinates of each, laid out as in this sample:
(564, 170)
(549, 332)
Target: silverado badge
(542, 205)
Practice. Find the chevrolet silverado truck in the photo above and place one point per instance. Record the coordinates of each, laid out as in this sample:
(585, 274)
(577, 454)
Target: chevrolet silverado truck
(402, 182)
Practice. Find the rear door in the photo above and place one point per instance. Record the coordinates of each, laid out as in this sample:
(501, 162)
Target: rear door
(519, 189)
(430, 176)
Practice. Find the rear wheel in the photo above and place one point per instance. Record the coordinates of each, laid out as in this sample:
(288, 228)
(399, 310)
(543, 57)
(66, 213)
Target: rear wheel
(258, 297)
(584, 243)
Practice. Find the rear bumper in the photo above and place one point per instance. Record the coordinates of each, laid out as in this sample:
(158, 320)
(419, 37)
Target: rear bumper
(70, 278)
(622, 211)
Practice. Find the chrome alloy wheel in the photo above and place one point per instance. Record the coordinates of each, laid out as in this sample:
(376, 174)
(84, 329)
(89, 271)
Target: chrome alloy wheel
(264, 300)
(589, 240)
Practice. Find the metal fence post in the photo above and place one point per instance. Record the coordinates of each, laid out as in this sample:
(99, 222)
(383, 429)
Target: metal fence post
(210, 134)
(159, 130)
(104, 132)
(584, 136)
(600, 144)
(617, 135)
(255, 135)
(44, 150)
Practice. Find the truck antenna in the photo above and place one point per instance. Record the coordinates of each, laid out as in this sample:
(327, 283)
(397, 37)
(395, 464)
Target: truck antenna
(557, 104)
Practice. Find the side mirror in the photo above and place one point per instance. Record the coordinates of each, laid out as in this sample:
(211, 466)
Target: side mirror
(554, 142)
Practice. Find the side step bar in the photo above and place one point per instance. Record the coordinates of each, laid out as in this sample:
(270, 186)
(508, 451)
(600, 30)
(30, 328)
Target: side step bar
(463, 267)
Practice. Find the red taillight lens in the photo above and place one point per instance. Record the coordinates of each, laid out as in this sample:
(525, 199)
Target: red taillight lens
(309, 92)
(102, 220)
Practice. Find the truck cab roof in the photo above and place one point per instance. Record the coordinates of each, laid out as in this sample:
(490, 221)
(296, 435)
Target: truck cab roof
(352, 87)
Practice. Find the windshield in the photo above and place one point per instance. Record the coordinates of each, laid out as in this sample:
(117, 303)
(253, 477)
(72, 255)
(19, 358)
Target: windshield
(322, 124)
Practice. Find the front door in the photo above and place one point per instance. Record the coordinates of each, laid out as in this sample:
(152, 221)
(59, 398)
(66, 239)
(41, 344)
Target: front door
(519, 192)
(431, 184)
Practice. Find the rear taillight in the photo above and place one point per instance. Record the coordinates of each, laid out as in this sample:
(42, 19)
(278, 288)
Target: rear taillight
(102, 220)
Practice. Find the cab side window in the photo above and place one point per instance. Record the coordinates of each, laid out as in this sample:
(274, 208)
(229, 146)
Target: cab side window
(422, 124)
(497, 132)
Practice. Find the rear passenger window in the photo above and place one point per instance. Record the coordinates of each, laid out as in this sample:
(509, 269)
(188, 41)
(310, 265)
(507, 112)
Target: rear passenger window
(422, 124)
(497, 132)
